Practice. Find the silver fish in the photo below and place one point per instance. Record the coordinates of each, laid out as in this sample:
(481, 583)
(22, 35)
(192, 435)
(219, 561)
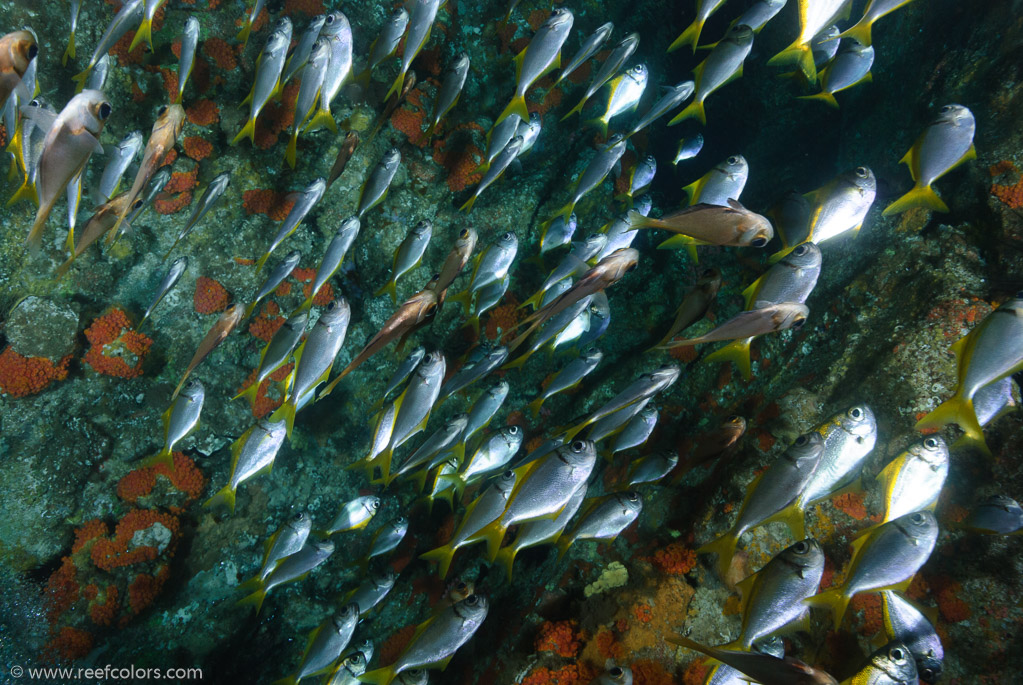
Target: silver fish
(450, 89)
(207, 201)
(299, 57)
(759, 13)
(537, 58)
(850, 67)
(611, 66)
(605, 520)
(120, 156)
(491, 266)
(772, 646)
(327, 642)
(243, 35)
(333, 256)
(569, 377)
(484, 409)
(904, 622)
(69, 52)
(252, 454)
(481, 363)
(180, 419)
(408, 256)
(287, 540)
(624, 94)
(293, 568)
(436, 447)
(637, 431)
(492, 455)
(652, 468)
(339, 70)
(495, 170)
(354, 515)
(374, 190)
(614, 423)
(386, 43)
(529, 131)
(913, 480)
(305, 200)
(312, 80)
(98, 76)
(156, 184)
(405, 368)
(277, 352)
(145, 30)
(691, 36)
(489, 296)
(275, 278)
(876, 9)
(643, 388)
(74, 201)
(388, 537)
(420, 25)
(587, 50)
(169, 280)
(348, 670)
(268, 76)
(542, 531)
(848, 438)
(497, 137)
(688, 148)
(189, 43)
(723, 64)
(825, 46)
(126, 18)
(372, 591)
(997, 515)
(892, 664)
(672, 98)
(418, 399)
(595, 173)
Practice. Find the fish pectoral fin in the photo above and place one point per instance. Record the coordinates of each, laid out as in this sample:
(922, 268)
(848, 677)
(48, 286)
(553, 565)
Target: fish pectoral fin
(42, 119)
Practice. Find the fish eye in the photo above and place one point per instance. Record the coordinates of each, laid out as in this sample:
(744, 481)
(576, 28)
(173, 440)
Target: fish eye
(799, 322)
(300, 516)
(917, 519)
(472, 600)
(802, 440)
(801, 547)
(578, 446)
(34, 103)
(733, 418)
(759, 242)
(136, 204)
(931, 443)
(160, 112)
(507, 236)
(104, 110)
(800, 250)
(631, 266)
(708, 273)
(616, 672)
(633, 497)
(862, 171)
(513, 430)
(33, 50)
(897, 654)
(464, 233)
(946, 108)
(507, 474)
(927, 674)
(330, 19)
(374, 503)
(733, 160)
(856, 413)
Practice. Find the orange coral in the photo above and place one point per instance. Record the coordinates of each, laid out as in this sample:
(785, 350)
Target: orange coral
(1011, 195)
(145, 588)
(696, 673)
(203, 113)
(573, 674)
(460, 158)
(276, 117)
(309, 7)
(197, 148)
(120, 50)
(675, 559)
(393, 646)
(303, 275)
(22, 376)
(185, 477)
(167, 203)
(642, 612)
(647, 672)
(505, 318)
(324, 296)
(948, 593)
(559, 637)
(210, 296)
(104, 608)
(61, 589)
(88, 531)
(109, 553)
(264, 402)
(181, 181)
(222, 54)
(684, 354)
(267, 322)
(170, 83)
(116, 350)
(273, 203)
(68, 643)
(851, 503)
(609, 646)
(536, 18)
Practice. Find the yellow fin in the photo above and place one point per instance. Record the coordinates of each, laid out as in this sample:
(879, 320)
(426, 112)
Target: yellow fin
(380, 676)
(724, 547)
(225, 495)
(833, 600)
(516, 106)
(694, 109)
(690, 37)
(736, 352)
(145, 33)
(958, 410)
(248, 130)
(793, 517)
(27, 191)
(824, 96)
(443, 556)
(919, 196)
(322, 119)
(69, 52)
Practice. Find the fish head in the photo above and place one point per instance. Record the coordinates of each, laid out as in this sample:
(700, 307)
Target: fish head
(194, 391)
(461, 62)
(932, 450)
(280, 37)
(456, 425)
(391, 158)
(499, 391)
(805, 256)
(594, 243)
(399, 526)
(774, 645)
(355, 663)
(928, 667)
(512, 436)
(22, 49)
(466, 241)
(513, 147)
(805, 557)
(618, 263)
(789, 315)
(323, 548)
(372, 504)
(863, 181)
(298, 321)
(739, 35)
(920, 527)
(384, 579)
(616, 675)
(896, 661)
(805, 451)
(710, 281)
(505, 482)
(415, 676)
(735, 168)
(667, 375)
(221, 182)
(291, 261)
(630, 502)
(508, 241)
(615, 145)
(422, 229)
(473, 608)
(336, 312)
(458, 590)
(274, 430)
(350, 225)
(300, 522)
(644, 203)
(170, 119)
(734, 425)
(560, 18)
(638, 73)
(333, 23)
(592, 355)
(955, 115)
(859, 421)
(432, 367)
(399, 19)
(578, 453)
(345, 619)
(88, 111)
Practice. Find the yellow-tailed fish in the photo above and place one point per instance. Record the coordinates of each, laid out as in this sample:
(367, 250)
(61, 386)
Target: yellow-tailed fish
(588, 49)
(441, 488)
(695, 305)
(274, 279)
(624, 93)
(156, 184)
(293, 568)
(339, 69)
(285, 541)
(207, 201)
(791, 218)
(170, 119)
(419, 308)
(723, 65)
(814, 16)
(613, 424)
(276, 353)
(640, 390)
(483, 410)
(839, 206)
(722, 674)
(249, 20)
(333, 256)
(790, 280)
(765, 669)
(672, 98)
(892, 664)
(557, 233)
(300, 55)
(886, 558)
(913, 480)
(268, 77)
(494, 171)
(772, 598)
(456, 260)
(491, 266)
(70, 140)
(180, 419)
(637, 431)
(315, 357)
(408, 256)
(904, 622)
(691, 36)
(719, 185)
(354, 515)
(27, 145)
(325, 644)
(605, 519)
(611, 66)
(374, 190)
(481, 362)
(371, 592)
(18, 85)
(69, 51)
(544, 531)
(596, 171)
(493, 455)
(251, 455)
(169, 280)
(876, 9)
(850, 67)
(640, 177)
(542, 489)
(568, 377)
(434, 642)
(651, 468)
(145, 30)
(401, 374)
(990, 403)
(383, 428)
(996, 515)
(759, 13)
(480, 512)
(217, 334)
(849, 438)
(990, 352)
(385, 45)
(945, 144)
(386, 538)
(349, 667)
(73, 192)
(118, 158)
(435, 448)
(497, 137)
(344, 154)
(761, 320)
(688, 148)
(304, 200)
(541, 55)
(420, 24)
(98, 76)
(489, 296)
(530, 131)
(126, 18)
(449, 91)
(99, 223)
(312, 79)
(703, 224)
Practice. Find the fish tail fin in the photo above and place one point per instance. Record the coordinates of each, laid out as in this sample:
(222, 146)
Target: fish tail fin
(564, 542)
(506, 558)
(473, 322)
(834, 600)
(736, 352)
(396, 86)
(80, 79)
(248, 130)
(65, 267)
(467, 207)
(534, 406)
(533, 301)
(800, 54)
(380, 676)
(289, 680)
(601, 124)
(958, 410)
(464, 298)
(261, 261)
(430, 129)
(249, 393)
(389, 288)
(724, 547)
(443, 556)
(243, 35)
(575, 110)
(163, 457)
(69, 51)
(518, 362)
(919, 196)
(35, 236)
(322, 119)
(363, 77)
(145, 33)
(27, 191)
(780, 254)
(492, 534)
(287, 412)
(690, 37)
(289, 153)
(824, 96)
(516, 106)
(860, 31)
(253, 600)
(693, 109)
(225, 495)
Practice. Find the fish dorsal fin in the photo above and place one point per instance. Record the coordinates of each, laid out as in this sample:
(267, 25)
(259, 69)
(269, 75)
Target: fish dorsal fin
(746, 588)
(693, 190)
(698, 73)
(958, 348)
(421, 628)
(518, 63)
(41, 118)
(268, 543)
(166, 421)
(309, 642)
(858, 544)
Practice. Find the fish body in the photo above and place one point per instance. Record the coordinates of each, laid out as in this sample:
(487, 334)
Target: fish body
(344, 154)
(637, 431)
(275, 278)
(457, 258)
(569, 377)
(189, 43)
(420, 24)
(723, 65)
(495, 170)
(530, 132)
(605, 520)
(415, 404)
(312, 80)
(876, 9)
(354, 515)
(408, 256)
(435, 448)
(722, 183)
(338, 33)
(295, 567)
(450, 90)
(544, 531)
(541, 55)
(268, 77)
(691, 36)
(651, 468)
(492, 455)
(372, 591)
(913, 480)
(374, 190)
(347, 670)
(217, 334)
(945, 144)
(476, 367)
(497, 137)
(326, 643)
(129, 16)
(387, 538)
(401, 374)
(180, 419)
(595, 173)
(587, 50)
(997, 515)
(208, 200)
(559, 232)
(287, 540)
(672, 98)
(28, 146)
(624, 93)
(850, 67)
(688, 148)
(726, 675)
(99, 223)
(640, 390)
(303, 50)
(695, 305)
(156, 184)
(759, 13)
(814, 16)
(386, 44)
(905, 623)
(333, 256)
(276, 353)
(305, 200)
(251, 455)
(576, 262)
(611, 66)
(483, 410)
(765, 669)
(705, 224)
(120, 156)
(491, 266)
(848, 438)
(885, 558)
(640, 178)
(69, 51)
(169, 280)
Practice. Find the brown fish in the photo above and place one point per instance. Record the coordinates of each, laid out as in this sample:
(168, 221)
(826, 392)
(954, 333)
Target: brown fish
(710, 445)
(695, 304)
(412, 313)
(221, 329)
(607, 272)
(348, 146)
(455, 261)
(70, 140)
(705, 224)
(395, 100)
(169, 122)
(100, 222)
(762, 668)
(769, 319)
(17, 49)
